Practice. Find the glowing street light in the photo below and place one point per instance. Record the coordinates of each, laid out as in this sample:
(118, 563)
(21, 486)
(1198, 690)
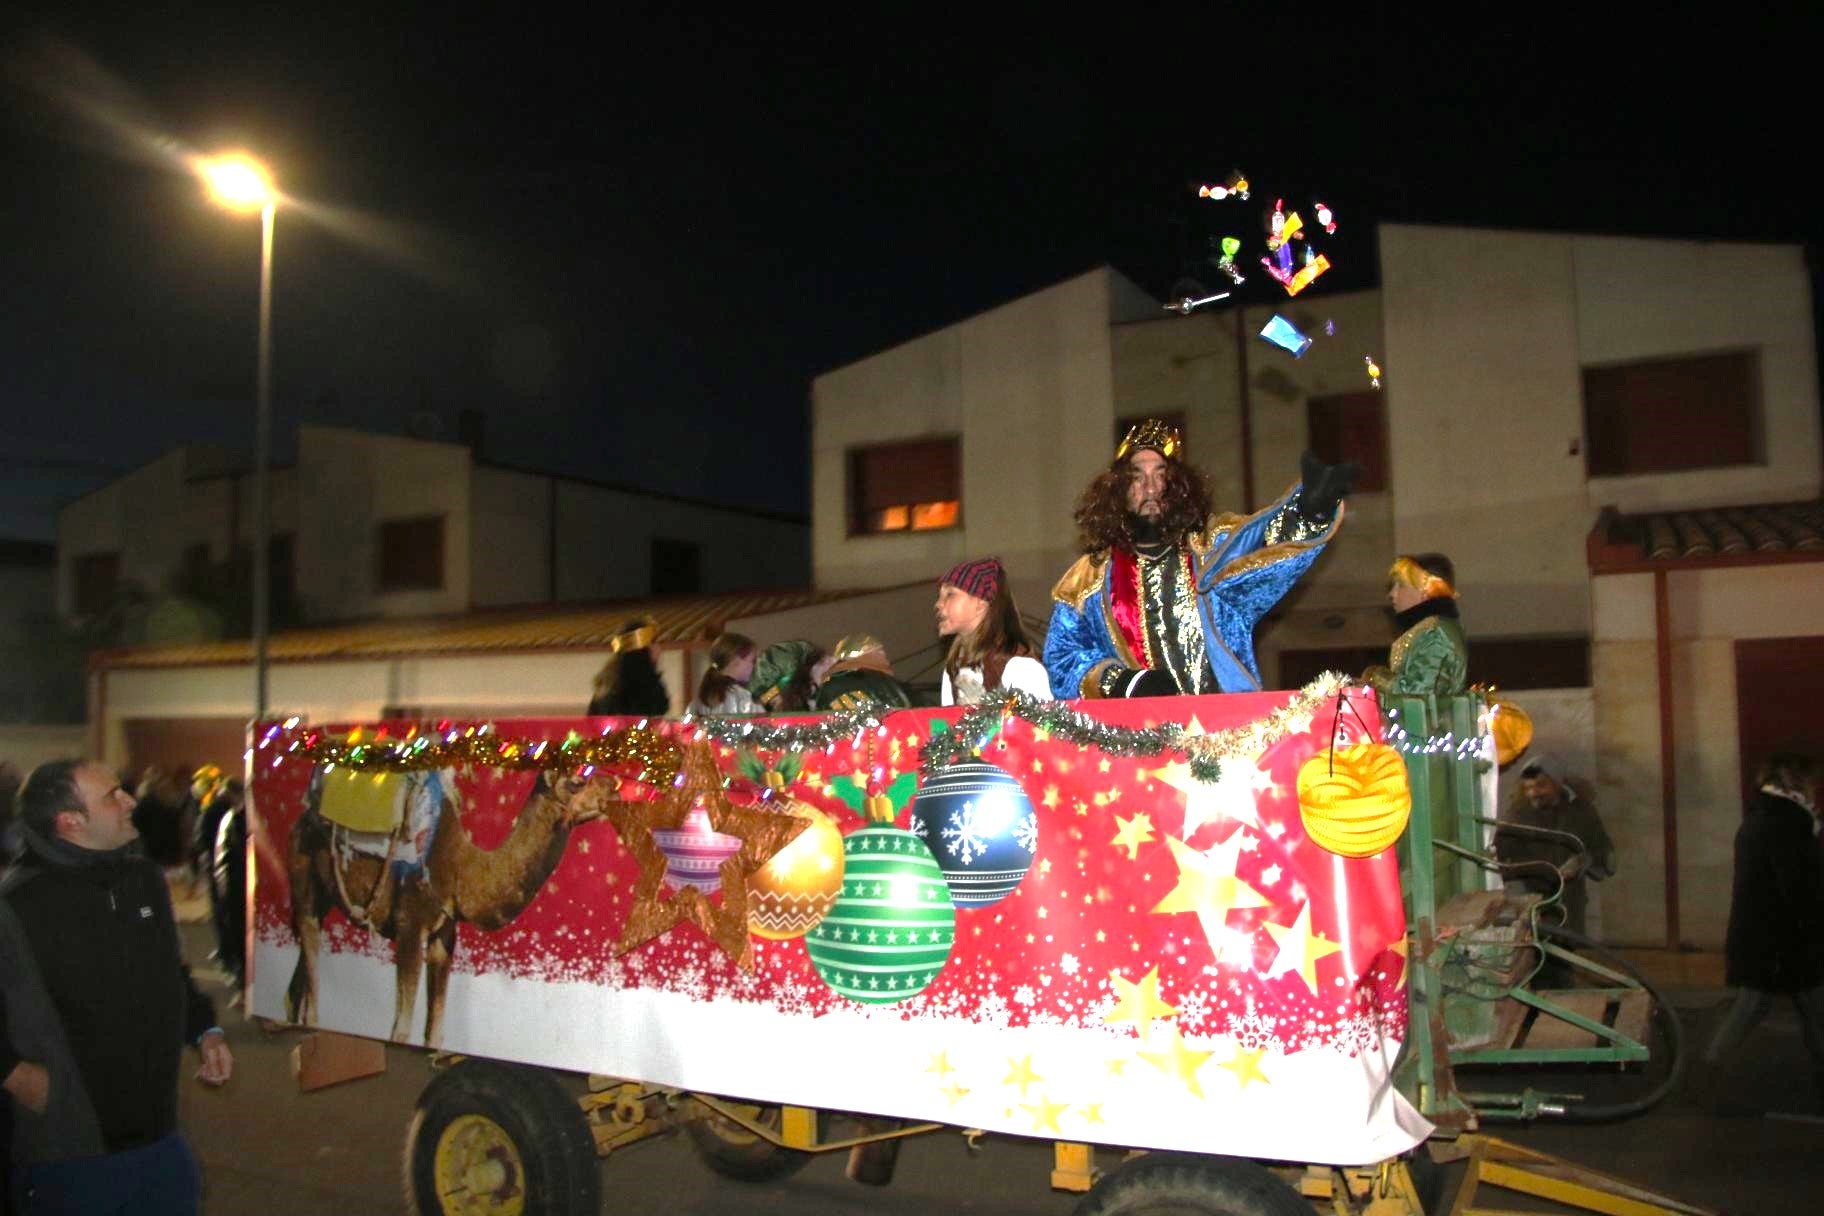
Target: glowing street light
(241, 184)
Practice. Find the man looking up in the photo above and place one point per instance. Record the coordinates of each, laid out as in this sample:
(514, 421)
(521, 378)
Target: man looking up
(1166, 595)
(98, 1006)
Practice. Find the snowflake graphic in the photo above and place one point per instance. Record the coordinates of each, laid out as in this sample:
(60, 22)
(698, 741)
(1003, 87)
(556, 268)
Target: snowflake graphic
(1068, 964)
(965, 834)
(1025, 995)
(1026, 832)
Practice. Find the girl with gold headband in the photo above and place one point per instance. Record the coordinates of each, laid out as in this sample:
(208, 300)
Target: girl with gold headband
(1430, 655)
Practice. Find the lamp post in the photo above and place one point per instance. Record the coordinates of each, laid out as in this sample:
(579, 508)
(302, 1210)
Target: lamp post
(242, 185)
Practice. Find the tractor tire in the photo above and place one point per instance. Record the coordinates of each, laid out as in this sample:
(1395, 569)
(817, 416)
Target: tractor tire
(734, 1152)
(490, 1139)
(1179, 1184)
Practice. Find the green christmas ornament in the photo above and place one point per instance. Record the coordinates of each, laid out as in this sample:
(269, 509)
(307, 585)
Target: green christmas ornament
(890, 931)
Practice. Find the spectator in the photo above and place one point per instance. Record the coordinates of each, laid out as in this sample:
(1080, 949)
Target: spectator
(860, 676)
(98, 1005)
(1430, 654)
(988, 646)
(159, 815)
(1775, 943)
(782, 677)
(1552, 837)
(229, 879)
(723, 689)
(9, 826)
(629, 684)
(203, 784)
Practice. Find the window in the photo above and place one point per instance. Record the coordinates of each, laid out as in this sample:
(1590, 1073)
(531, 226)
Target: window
(905, 487)
(1351, 426)
(1175, 418)
(410, 553)
(677, 566)
(97, 579)
(1664, 415)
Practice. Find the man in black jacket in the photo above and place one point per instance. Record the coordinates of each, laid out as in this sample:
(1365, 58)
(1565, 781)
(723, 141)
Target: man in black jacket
(98, 1005)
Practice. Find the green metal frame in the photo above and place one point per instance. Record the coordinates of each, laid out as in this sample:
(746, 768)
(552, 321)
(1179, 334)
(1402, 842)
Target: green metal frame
(1441, 856)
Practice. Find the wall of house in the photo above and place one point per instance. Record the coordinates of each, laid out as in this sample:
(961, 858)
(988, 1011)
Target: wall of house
(510, 540)
(1028, 387)
(1709, 610)
(138, 516)
(605, 538)
(349, 483)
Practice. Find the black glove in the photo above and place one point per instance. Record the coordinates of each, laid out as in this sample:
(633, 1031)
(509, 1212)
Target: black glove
(1152, 683)
(1324, 486)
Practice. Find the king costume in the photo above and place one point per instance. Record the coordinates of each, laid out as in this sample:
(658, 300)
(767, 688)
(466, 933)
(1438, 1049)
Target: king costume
(1178, 615)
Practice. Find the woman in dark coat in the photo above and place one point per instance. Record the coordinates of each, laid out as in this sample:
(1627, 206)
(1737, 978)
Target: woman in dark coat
(1775, 945)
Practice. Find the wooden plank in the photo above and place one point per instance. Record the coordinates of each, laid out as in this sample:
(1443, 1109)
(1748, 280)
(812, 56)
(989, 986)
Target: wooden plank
(1634, 1015)
(1550, 1032)
(1470, 909)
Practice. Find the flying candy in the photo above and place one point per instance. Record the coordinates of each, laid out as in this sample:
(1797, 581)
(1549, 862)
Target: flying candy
(1326, 218)
(1304, 278)
(1184, 305)
(1374, 370)
(1230, 247)
(1282, 274)
(1235, 187)
(1330, 329)
(1281, 332)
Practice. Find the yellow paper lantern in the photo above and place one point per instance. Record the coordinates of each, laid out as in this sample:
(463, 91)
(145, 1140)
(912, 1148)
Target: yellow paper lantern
(1511, 727)
(788, 895)
(1354, 801)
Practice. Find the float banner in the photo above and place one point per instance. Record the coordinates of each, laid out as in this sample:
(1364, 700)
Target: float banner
(1039, 938)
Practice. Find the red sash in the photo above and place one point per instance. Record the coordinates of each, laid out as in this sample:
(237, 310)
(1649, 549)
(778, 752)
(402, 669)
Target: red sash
(1127, 614)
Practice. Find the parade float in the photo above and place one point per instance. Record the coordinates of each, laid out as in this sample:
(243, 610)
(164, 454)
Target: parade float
(1174, 925)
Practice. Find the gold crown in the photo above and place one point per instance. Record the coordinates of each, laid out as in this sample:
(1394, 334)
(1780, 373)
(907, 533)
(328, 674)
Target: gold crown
(639, 637)
(1161, 437)
(854, 646)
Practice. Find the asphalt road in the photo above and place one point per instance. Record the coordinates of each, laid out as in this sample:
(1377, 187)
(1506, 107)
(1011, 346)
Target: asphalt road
(267, 1148)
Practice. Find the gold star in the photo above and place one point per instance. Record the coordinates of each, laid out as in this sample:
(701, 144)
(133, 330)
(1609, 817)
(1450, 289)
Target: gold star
(1041, 734)
(1101, 798)
(1140, 1003)
(582, 846)
(1114, 793)
(1179, 1061)
(940, 1064)
(1045, 1114)
(1399, 946)
(1134, 833)
(762, 833)
(1246, 1066)
(1092, 1113)
(1299, 949)
(1019, 1072)
(1102, 766)
(1051, 796)
(1230, 796)
(1117, 1068)
(1038, 766)
(954, 1092)
(1207, 886)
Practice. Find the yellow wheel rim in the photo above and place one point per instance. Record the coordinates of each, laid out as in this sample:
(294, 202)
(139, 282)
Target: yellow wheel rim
(478, 1170)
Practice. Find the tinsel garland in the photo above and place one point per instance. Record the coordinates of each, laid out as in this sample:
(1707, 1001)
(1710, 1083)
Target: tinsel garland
(639, 751)
(1205, 752)
(826, 731)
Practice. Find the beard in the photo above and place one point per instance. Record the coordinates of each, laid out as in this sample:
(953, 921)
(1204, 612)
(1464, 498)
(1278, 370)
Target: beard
(1145, 530)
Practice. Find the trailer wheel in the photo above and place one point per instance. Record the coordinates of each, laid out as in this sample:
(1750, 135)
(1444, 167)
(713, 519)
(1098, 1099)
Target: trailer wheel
(492, 1140)
(1175, 1184)
(734, 1152)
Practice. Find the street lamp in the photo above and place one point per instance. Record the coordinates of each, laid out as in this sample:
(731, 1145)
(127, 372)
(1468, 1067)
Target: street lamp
(241, 184)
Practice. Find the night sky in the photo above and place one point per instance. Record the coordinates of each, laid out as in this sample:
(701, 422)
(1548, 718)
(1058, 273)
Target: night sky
(632, 241)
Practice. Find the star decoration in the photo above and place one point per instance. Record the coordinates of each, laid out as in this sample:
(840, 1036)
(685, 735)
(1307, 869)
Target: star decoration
(1140, 1003)
(1092, 1113)
(1133, 834)
(1117, 1067)
(1246, 1066)
(940, 1064)
(954, 1092)
(762, 833)
(1019, 1072)
(1045, 1114)
(1230, 796)
(1207, 886)
(1299, 949)
(1179, 1061)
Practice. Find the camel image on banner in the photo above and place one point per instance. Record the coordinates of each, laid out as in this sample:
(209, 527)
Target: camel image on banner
(390, 851)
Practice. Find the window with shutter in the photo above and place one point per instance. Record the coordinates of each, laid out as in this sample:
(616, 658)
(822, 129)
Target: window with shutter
(905, 487)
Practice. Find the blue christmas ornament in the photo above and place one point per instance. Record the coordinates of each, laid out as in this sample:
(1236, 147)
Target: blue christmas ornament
(981, 827)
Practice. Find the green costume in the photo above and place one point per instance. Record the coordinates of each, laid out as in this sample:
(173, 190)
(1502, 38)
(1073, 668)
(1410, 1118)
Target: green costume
(860, 687)
(1430, 655)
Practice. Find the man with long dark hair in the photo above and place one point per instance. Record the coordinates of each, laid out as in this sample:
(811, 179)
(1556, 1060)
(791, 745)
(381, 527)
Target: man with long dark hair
(1167, 594)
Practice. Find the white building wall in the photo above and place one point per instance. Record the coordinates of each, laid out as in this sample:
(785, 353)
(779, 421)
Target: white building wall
(139, 516)
(510, 558)
(604, 544)
(349, 484)
(1028, 389)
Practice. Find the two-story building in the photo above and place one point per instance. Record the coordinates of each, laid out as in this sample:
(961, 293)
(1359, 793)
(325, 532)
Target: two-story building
(1550, 405)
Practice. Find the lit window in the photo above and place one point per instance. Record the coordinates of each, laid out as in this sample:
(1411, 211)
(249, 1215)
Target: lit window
(905, 487)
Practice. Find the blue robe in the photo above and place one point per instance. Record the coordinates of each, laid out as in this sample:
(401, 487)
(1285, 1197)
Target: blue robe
(1240, 567)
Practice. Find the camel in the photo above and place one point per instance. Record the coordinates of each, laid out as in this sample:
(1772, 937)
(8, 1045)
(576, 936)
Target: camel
(419, 913)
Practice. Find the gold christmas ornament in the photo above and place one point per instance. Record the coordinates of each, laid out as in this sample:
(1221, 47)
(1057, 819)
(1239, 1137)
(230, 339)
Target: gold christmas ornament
(1354, 800)
(1512, 728)
(794, 890)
